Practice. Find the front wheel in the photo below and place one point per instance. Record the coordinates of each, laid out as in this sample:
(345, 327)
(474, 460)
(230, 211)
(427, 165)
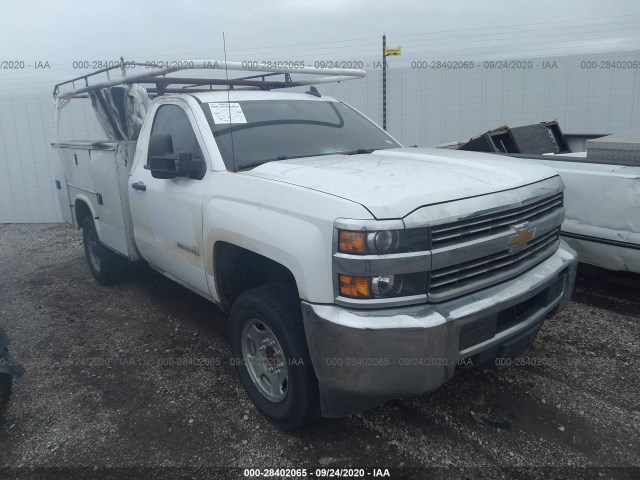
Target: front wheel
(107, 267)
(271, 355)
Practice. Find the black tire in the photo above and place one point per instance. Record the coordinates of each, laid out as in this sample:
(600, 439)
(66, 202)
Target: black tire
(107, 267)
(277, 307)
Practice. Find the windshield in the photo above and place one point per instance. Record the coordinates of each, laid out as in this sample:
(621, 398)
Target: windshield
(270, 130)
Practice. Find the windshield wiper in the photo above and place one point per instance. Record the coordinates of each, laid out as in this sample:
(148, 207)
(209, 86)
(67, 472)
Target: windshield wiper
(246, 166)
(358, 151)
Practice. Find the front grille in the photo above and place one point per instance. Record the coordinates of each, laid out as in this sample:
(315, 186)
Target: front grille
(487, 224)
(491, 269)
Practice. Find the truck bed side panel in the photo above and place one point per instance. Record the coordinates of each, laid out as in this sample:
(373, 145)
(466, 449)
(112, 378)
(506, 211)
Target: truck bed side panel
(98, 173)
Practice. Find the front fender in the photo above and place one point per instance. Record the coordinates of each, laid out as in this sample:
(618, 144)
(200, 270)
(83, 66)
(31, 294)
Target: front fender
(290, 225)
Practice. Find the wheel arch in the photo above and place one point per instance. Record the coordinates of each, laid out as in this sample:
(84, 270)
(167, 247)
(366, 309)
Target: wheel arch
(237, 269)
(82, 209)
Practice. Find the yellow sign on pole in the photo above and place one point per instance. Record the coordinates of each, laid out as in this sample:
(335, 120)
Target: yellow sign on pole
(392, 52)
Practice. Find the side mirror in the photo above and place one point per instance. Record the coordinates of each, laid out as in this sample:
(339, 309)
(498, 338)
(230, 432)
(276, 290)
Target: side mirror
(186, 166)
(165, 164)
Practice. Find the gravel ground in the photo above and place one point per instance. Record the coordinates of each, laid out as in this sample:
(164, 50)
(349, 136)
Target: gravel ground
(138, 374)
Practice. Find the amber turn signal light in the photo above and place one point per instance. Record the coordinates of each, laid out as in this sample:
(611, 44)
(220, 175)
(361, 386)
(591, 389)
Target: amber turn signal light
(352, 242)
(355, 287)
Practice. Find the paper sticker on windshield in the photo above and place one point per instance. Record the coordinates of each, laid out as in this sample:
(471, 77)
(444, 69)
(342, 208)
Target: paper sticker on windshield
(227, 113)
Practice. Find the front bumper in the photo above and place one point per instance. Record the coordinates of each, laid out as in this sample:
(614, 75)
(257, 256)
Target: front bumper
(366, 357)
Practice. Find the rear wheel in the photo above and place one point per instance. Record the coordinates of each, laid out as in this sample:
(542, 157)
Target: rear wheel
(271, 355)
(106, 266)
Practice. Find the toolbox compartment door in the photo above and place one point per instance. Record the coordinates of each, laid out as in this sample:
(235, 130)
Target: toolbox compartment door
(97, 174)
(62, 192)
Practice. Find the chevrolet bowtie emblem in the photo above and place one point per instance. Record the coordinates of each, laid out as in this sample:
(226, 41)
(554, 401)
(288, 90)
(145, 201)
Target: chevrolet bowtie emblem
(523, 235)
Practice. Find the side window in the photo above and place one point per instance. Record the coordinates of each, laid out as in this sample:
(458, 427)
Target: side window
(172, 120)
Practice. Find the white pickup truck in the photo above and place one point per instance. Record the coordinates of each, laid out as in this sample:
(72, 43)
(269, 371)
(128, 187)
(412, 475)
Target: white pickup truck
(354, 270)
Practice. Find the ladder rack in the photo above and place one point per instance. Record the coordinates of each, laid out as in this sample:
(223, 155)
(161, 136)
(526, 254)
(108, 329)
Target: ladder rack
(156, 81)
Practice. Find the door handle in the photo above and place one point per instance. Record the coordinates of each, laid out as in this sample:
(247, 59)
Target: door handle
(139, 186)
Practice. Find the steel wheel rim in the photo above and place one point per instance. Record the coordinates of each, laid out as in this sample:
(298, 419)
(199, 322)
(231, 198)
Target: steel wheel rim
(93, 249)
(265, 361)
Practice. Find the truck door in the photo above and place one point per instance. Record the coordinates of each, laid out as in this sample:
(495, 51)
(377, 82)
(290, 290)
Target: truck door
(167, 213)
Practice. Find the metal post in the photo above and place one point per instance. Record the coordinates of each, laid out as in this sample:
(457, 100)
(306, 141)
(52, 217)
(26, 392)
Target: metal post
(384, 82)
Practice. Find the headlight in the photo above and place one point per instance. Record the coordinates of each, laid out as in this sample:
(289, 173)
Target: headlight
(382, 286)
(383, 242)
(386, 285)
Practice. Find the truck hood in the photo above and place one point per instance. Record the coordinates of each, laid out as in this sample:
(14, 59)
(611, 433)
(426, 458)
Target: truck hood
(392, 183)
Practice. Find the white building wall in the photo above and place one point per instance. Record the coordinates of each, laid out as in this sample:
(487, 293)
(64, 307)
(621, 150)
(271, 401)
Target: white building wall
(424, 107)
(430, 107)
(27, 189)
